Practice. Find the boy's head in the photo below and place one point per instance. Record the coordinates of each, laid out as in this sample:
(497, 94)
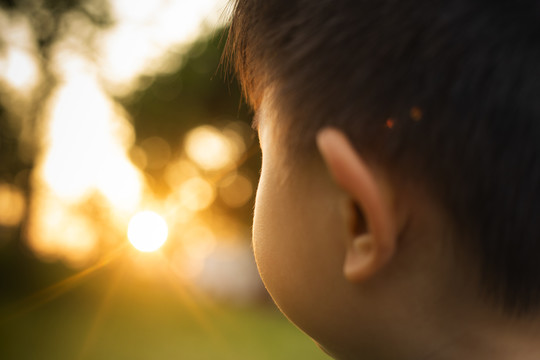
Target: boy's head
(401, 165)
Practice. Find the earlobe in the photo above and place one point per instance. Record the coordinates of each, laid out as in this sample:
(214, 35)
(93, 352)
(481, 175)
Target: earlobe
(367, 251)
(360, 258)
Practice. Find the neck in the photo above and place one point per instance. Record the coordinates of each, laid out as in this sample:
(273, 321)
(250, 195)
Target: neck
(490, 336)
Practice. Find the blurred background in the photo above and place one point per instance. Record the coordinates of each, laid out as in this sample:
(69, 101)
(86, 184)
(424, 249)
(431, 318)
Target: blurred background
(128, 170)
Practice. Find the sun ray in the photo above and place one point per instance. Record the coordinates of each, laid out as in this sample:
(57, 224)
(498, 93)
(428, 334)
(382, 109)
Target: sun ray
(193, 300)
(102, 311)
(54, 291)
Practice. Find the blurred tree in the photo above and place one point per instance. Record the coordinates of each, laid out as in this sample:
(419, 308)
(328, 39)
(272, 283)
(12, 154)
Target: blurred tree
(201, 91)
(20, 111)
(198, 92)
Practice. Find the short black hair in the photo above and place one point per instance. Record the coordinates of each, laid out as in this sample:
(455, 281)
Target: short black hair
(443, 92)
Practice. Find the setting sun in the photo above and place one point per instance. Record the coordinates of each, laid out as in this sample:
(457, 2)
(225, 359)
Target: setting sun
(147, 231)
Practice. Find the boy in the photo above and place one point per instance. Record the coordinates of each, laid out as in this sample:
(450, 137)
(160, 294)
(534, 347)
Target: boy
(398, 211)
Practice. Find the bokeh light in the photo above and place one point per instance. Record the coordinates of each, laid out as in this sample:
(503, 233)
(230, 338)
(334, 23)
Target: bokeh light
(12, 205)
(147, 231)
(57, 231)
(209, 148)
(235, 190)
(196, 194)
(179, 171)
(18, 67)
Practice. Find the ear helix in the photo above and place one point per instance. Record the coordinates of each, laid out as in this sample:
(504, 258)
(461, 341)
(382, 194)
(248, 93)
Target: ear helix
(371, 240)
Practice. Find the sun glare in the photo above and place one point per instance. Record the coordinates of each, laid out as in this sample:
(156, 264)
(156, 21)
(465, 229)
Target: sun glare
(87, 171)
(147, 231)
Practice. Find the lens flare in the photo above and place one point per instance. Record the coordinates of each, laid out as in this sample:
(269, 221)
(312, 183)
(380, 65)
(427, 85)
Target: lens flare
(147, 231)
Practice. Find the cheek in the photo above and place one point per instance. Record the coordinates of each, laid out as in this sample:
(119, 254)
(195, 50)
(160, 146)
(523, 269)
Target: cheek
(271, 243)
(293, 240)
(278, 241)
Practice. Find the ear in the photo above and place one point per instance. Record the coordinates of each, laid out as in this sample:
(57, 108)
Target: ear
(370, 247)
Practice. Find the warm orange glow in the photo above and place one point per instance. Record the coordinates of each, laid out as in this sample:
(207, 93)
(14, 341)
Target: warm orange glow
(416, 113)
(88, 177)
(86, 147)
(84, 158)
(157, 152)
(235, 190)
(19, 70)
(18, 66)
(138, 157)
(147, 231)
(12, 205)
(179, 171)
(55, 231)
(198, 242)
(196, 194)
(209, 148)
(236, 140)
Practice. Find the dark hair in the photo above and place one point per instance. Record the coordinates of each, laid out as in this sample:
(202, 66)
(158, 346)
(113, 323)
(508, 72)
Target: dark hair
(444, 92)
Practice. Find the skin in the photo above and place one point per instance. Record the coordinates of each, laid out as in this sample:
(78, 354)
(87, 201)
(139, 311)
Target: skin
(393, 288)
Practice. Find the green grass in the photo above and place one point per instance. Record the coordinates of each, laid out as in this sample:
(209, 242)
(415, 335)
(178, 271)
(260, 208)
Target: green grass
(134, 319)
